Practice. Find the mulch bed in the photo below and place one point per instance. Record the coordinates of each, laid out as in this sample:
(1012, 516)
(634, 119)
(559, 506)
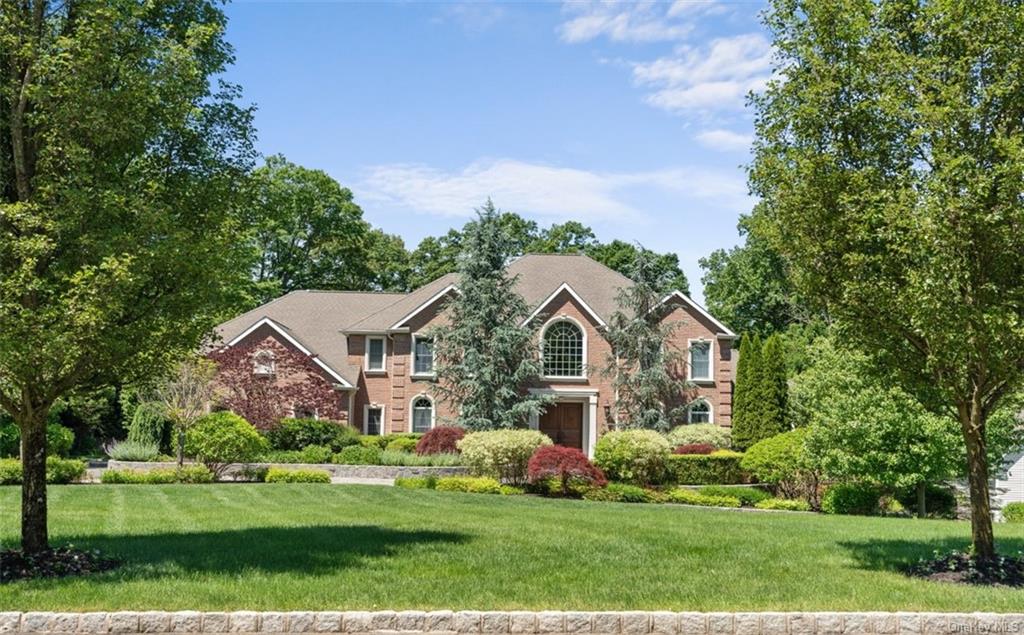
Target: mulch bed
(961, 568)
(55, 563)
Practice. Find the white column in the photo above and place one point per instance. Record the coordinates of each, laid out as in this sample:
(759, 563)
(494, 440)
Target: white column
(590, 432)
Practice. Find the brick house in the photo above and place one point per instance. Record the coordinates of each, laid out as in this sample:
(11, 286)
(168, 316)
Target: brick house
(372, 349)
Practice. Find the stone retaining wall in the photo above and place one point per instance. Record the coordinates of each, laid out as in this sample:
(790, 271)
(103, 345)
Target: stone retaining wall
(346, 471)
(515, 622)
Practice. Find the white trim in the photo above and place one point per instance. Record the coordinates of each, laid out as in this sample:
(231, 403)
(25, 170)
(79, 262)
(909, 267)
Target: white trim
(384, 354)
(434, 298)
(412, 410)
(711, 411)
(710, 379)
(366, 417)
(412, 354)
(565, 287)
(726, 331)
(583, 332)
(294, 342)
(586, 396)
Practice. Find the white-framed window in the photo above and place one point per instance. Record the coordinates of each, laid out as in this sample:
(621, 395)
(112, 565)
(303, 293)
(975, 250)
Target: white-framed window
(305, 412)
(422, 356)
(376, 353)
(373, 419)
(564, 349)
(701, 360)
(264, 363)
(422, 409)
(698, 412)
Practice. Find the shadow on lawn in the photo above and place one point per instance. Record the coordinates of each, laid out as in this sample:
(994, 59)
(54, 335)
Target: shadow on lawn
(898, 555)
(312, 550)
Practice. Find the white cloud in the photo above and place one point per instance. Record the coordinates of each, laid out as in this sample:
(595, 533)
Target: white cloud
(475, 17)
(622, 22)
(727, 140)
(547, 191)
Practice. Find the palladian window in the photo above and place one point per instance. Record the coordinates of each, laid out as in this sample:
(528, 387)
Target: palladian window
(699, 412)
(422, 414)
(563, 350)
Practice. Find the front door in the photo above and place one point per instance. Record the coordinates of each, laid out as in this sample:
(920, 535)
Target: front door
(563, 422)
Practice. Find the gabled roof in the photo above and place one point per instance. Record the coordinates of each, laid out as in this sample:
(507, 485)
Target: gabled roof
(725, 330)
(292, 339)
(572, 292)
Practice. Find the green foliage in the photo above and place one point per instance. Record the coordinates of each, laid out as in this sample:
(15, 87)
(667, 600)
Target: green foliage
(308, 454)
(397, 457)
(1013, 512)
(784, 504)
(718, 468)
(939, 501)
(58, 439)
(685, 496)
(222, 438)
(483, 356)
(58, 471)
(358, 455)
(416, 482)
(783, 462)
(702, 433)
(632, 456)
(283, 475)
(401, 445)
(748, 496)
(297, 434)
(147, 425)
(468, 484)
(619, 493)
(761, 400)
(382, 441)
(501, 454)
(129, 450)
(860, 499)
(158, 476)
(642, 363)
(743, 409)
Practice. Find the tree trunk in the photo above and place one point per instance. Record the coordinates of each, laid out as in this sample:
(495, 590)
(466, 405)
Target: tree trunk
(922, 505)
(977, 477)
(181, 447)
(34, 536)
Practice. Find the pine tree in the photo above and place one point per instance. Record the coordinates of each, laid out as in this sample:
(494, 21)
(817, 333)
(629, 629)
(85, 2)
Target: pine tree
(484, 357)
(744, 403)
(642, 363)
(774, 388)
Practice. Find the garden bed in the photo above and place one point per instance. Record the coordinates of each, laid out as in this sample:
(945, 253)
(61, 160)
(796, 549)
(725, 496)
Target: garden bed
(334, 469)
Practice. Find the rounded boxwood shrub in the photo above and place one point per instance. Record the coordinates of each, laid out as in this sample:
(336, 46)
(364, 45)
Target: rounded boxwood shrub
(58, 471)
(358, 455)
(285, 475)
(783, 462)
(468, 484)
(784, 505)
(716, 436)
(416, 482)
(564, 467)
(633, 456)
(501, 454)
(1013, 512)
(158, 476)
(222, 438)
(401, 444)
(441, 440)
(297, 434)
(860, 499)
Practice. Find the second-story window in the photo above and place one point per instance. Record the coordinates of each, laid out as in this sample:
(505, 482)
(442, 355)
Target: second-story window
(422, 356)
(375, 353)
(263, 364)
(700, 361)
(563, 350)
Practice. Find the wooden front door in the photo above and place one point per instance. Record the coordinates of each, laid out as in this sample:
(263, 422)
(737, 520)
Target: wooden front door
(563, 422)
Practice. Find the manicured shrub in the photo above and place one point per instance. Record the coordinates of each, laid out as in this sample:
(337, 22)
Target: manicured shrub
(416, 482)
(511, 490)
(10, 472)
(694, 448)
(158, 476)
(58, 471)
(285, 475)
(939, 502)
(441, 440)
(619, 493)
(129, 450)
(860, 499)
(685, 496)
(147, 425)
(564, 467)
(784, 505)
(252, 473)
(468, 484)
(1013, 512)
(782, 462)
(381, 442)
(633, 456)
(716, 436)
(394, 457)
(358, 455)
(721, 467)
(501, 454)
(315, 454)
(58, 439)
(401, 445)
(297, 434)
(222, 438)
(748, 496)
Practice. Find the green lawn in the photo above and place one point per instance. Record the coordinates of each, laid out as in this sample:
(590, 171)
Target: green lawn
(362, 547)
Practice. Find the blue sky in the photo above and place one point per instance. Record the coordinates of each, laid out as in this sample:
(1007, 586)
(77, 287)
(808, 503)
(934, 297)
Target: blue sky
(628, 117)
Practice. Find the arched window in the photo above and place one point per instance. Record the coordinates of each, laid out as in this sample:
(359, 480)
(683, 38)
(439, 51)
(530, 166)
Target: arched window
(698, 412)
(563, 348)
(263, 363)
(422, 414)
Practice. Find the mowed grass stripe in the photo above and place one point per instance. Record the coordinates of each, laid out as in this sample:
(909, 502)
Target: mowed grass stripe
(297, 546)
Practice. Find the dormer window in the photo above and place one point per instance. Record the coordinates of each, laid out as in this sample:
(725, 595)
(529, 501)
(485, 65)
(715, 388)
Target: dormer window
(263, 364)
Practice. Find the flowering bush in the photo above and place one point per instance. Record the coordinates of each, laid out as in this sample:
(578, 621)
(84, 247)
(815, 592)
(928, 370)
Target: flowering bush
(222, 438)
(441, 440)
(633, 456)
(715, 435)
(694, 448)
(501, 454)
(565, 466)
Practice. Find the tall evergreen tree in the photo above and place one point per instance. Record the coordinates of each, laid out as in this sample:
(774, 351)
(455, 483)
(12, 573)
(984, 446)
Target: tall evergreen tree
(484, 357)
(774, 390)
(744, 415)
(643, 365)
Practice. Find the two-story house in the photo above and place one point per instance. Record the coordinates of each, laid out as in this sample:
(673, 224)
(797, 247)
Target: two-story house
(374, 349)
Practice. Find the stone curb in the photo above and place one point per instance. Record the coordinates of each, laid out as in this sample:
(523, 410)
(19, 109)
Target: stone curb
(513, 623)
